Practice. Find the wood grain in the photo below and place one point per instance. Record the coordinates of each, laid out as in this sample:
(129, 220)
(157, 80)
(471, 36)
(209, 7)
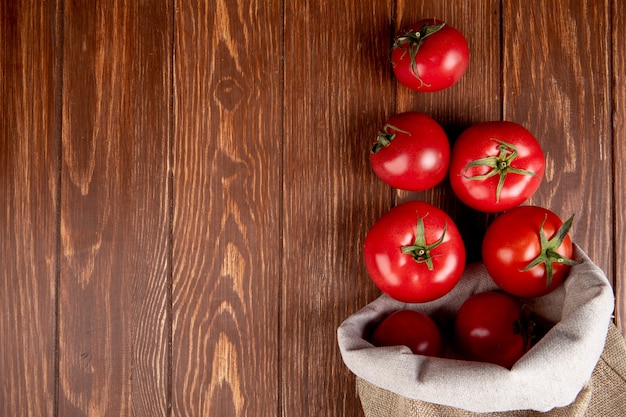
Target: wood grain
(338, 94)
(558, 88)
(185, 186)
(113, 314)
(227, 193)
(618, 31)
(28, 207)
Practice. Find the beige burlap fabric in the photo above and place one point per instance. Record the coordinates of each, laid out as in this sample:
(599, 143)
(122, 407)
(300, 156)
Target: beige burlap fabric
(555, 373)
(604, 396)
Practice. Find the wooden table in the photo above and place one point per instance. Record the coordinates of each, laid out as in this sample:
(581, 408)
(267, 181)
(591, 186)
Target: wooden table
(185, 186)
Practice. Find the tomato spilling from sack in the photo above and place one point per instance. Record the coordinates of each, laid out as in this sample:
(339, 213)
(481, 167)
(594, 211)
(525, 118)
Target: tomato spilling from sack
(411, 152)
(409, 328)
(493, 327)
(527, 251)
(429, 56)
(414, 253)
(496, 166)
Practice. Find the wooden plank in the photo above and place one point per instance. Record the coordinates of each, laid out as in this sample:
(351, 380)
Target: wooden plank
(475, 98)
(28, 206)
(227, 191)
(557, 84)
(113, 314)
(618, 28)
(338, 94)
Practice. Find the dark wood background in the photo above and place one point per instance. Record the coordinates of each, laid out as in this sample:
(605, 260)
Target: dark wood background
(185, 185)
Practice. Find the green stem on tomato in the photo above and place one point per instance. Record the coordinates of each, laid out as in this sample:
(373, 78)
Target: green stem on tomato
(548, 253)
(385, 137)
(412, 40)
(526, 327)
(500, 165)
(420, 250)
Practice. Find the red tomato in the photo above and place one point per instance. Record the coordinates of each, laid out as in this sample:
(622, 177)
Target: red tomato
(411, 153)
(527, 251)
(496, 166)
(491, 327)
(414, 253)
(410, 328)
(430, 56)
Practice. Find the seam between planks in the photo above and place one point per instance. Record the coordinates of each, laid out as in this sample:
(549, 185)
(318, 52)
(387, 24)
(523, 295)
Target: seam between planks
(281, 216)
(58, 137)
(170, 213)
(613, 105)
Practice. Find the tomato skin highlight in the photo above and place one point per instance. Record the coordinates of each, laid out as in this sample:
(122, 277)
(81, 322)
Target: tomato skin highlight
(513, 241)
(488, 328)
(523, 170)
(398, 274)
(418, 155)
(441, 59)
(410, 328)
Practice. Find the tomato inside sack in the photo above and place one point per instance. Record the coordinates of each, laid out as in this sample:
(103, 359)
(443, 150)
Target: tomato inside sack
(414, 253)
(522, 262)
(429, 56)
(412, 152)
(409, 328)
(490, 327)
(496, 166)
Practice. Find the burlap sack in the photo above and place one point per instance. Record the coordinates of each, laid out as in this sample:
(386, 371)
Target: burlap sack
(555, 373)
(604, 396)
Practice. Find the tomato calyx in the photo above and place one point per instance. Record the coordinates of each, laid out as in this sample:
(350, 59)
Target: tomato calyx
(548, 253)
(412, 40)
(500, 165)
(385, 137)
(526, 327)
(420, 250)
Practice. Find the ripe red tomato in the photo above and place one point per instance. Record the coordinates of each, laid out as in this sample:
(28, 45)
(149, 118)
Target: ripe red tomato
(492, 327)
(430, 56)
(496, 166)
(410, 328)
(414, 253)
(527, 251)
(411, 153)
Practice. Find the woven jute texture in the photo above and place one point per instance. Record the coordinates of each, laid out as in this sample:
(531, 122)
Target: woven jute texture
(604, 396)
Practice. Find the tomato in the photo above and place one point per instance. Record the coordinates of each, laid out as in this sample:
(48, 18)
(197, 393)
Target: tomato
(410, 328)
(527, 251)
(496, 166)
(492, 327)
(414, 253)
(429, 56)
(411, 153)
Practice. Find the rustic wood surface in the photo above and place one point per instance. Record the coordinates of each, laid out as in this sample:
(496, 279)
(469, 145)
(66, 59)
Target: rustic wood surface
(185, 185)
